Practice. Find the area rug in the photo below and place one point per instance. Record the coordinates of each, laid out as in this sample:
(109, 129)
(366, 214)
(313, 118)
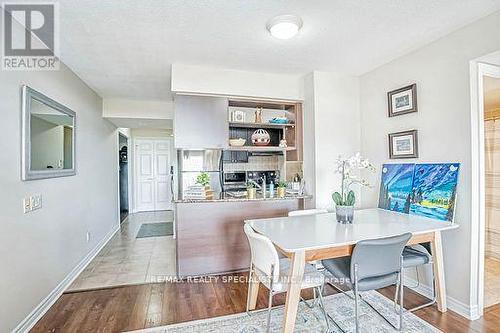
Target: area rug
(339, 306)
(156, 230)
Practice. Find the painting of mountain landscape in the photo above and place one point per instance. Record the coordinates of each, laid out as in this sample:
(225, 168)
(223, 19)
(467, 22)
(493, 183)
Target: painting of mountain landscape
(395, 187)
(434, 189)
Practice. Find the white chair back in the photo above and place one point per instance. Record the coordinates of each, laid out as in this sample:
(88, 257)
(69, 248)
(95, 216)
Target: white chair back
(307, 212)
(264, 254)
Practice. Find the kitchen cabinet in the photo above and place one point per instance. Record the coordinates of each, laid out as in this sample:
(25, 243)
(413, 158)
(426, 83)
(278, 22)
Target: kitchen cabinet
(200, 122)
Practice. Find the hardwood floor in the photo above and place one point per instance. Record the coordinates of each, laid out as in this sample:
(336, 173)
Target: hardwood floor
(126, 308)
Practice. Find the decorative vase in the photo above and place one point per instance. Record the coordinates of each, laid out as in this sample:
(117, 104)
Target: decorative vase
(261, 137)
(258, 115)
(251, 193)
(345, 214)
(281, 192)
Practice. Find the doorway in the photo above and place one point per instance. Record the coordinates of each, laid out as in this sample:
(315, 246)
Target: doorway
(491, 102)
(152, 181)
(123, 176)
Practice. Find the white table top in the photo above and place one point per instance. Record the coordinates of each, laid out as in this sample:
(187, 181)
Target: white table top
(323, 231)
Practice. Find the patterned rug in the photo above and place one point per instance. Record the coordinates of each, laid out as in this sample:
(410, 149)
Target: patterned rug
(339, 306)
(156, 230)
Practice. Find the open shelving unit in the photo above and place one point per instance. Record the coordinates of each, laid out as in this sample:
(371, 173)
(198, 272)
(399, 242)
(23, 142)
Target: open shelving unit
(258, 125)
(291, 131)
(261, 148)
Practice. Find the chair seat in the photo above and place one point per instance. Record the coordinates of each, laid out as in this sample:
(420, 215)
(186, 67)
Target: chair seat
(413, 257)
(312, 278)
(340, 268)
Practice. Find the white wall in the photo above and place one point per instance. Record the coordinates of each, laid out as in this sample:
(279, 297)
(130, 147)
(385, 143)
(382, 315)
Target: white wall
(331, 128)
(228, 82)
(40, 248)
(131, 108)
(151, 133)
(441, 72)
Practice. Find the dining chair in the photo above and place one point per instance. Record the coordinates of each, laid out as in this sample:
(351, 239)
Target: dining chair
(273, 272)
(415, 256)
(374, 264)
(304, 212)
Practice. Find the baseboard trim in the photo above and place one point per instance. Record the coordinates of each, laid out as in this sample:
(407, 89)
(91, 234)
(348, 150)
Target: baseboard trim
(471, 313)
(37, 313)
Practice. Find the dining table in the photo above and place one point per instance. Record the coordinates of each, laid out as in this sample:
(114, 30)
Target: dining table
(316, 237)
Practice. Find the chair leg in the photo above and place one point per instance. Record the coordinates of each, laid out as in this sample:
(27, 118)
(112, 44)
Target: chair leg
(356, 310)
(356, 305)
(270, 305)
(322, 306)
(401, 286)
(434, 297)
(250, 275)
(270, 301)
(396, 293)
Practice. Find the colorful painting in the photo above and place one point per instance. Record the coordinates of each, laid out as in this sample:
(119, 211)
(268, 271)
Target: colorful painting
(434, 189)
(395, 187)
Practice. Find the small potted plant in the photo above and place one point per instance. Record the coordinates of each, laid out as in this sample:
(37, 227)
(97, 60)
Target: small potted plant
(251, 190)
(345, 199)
(281, 189)
(203, 179)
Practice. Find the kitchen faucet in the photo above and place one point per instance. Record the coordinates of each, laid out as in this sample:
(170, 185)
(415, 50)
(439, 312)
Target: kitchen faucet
(262, 187)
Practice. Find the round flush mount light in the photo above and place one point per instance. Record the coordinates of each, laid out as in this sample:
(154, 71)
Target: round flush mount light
(284, 26)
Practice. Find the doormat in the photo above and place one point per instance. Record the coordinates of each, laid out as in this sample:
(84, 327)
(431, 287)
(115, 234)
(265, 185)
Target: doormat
(156, 230)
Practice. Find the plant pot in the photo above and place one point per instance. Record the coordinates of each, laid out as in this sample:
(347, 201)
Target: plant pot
(251, 193)
(345, 214)
(281, 192)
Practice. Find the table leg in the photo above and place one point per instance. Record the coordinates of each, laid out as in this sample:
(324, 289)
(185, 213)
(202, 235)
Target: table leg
(437, 253)
(253, 290)
(293, 293)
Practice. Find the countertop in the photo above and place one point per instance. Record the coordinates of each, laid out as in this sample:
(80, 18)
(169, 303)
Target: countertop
(224, 198)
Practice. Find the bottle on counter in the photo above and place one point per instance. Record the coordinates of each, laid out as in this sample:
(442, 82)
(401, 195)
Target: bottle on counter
(271, 190)
(296, 182)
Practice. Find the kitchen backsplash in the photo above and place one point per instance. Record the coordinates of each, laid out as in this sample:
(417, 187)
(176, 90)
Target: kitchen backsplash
(255, 163)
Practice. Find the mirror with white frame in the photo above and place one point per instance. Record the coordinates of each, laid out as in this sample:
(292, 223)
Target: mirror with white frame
(48, 137)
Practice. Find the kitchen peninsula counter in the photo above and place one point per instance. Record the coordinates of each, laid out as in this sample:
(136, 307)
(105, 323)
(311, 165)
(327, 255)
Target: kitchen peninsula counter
(226, 198)
(209, 233)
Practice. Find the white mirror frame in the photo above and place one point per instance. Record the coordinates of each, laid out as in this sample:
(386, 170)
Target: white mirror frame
(26, 172)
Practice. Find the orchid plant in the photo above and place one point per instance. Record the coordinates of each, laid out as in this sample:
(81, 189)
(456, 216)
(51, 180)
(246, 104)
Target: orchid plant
(346, 167)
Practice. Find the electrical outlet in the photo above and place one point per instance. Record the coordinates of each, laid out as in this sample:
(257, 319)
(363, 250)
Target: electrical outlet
(36, 201)
(88, 236)
(27, 205)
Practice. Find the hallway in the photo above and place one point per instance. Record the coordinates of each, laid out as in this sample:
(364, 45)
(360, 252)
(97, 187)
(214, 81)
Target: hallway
(129, 260)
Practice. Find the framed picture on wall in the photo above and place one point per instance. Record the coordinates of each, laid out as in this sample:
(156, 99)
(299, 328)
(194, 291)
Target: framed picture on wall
(402, 101)
(403, 144)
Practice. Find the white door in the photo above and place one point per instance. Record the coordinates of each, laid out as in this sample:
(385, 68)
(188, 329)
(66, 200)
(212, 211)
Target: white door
(153, 160)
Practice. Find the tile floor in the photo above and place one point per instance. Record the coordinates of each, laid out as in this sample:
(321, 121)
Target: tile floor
(491, 281)
(129, 260)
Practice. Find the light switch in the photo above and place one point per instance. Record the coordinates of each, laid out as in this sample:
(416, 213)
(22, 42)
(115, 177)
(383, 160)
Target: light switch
(36, 201)
(27, 205)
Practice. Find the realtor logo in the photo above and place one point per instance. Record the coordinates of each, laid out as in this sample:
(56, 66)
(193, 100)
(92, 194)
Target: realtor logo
(30, 40)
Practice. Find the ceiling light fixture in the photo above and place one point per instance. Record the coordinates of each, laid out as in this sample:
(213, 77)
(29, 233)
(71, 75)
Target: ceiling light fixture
(284, 26)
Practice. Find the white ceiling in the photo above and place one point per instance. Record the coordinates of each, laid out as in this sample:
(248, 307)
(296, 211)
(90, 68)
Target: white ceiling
(124, 48)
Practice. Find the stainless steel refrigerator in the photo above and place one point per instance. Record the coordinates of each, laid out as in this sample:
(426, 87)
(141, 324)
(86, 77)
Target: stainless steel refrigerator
(191, 163)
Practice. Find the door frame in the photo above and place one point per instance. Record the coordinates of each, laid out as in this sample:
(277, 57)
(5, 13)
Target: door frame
(117, 152)
(134, 171)
(128, 174)
(478, 71)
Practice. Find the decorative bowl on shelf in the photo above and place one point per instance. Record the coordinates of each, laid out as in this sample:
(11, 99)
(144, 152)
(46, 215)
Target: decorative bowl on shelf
(237, 142)
(261, 137)
(279, 120)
